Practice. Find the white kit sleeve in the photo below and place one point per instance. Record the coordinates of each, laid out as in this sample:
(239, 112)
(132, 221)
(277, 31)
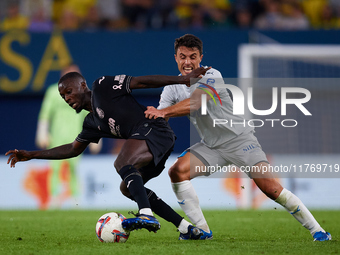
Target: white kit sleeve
(167, 98)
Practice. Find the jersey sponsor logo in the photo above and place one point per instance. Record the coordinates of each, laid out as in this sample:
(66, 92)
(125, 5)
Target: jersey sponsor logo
(101, 79)
(114, 128)
(210, 81)
(117, 87)
(100, 113)
(120, 78)
(250, 147)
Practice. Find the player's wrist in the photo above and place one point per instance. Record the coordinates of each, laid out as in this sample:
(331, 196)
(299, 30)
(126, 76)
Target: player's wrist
(183, 79)
(164, 113)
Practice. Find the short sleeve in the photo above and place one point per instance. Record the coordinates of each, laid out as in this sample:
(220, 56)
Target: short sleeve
(167, 98)
(112, 85)
(89, 133)
(211, 78)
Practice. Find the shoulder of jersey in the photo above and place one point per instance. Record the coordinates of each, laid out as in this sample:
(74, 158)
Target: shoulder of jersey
(213, 72)
(101, 79)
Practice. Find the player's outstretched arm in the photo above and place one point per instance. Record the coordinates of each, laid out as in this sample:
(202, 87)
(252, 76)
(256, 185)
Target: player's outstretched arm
(156, 81)
(182, 108)
(61, 152)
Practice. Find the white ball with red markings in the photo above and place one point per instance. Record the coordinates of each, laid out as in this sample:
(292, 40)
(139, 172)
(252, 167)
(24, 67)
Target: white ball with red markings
(109, 228)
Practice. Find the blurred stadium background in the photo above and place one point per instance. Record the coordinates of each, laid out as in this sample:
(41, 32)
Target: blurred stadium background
(108, 37)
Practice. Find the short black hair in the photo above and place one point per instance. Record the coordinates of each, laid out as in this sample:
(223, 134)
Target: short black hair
(71, 75)
(189, 41)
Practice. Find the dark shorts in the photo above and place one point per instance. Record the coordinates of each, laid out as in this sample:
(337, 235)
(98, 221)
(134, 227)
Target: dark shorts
(151, 171)
(160, 139)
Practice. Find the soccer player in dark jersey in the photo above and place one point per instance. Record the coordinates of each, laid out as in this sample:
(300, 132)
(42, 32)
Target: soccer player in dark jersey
(115, 113)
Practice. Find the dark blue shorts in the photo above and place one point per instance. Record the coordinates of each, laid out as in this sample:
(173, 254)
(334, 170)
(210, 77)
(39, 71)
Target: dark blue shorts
(160, 139)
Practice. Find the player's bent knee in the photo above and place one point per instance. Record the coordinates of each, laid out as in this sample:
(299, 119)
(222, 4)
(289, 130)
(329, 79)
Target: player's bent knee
(272, 193)
(172, 174)
(137, 160)
(270, 187)
(179, 173)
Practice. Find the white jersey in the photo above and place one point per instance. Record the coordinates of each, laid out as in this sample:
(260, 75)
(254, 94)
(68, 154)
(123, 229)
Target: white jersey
(211, 135)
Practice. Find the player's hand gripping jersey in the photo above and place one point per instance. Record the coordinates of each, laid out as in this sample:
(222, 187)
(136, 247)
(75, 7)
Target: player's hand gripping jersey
(212, 135)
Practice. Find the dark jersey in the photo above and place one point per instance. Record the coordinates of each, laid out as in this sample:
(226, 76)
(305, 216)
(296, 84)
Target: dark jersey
(116, 113)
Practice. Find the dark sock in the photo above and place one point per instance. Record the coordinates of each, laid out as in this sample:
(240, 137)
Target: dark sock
(134, 183)
(162, 209)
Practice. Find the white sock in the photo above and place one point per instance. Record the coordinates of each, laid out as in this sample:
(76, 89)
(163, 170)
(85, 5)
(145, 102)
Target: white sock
(299, 211)
(188, 200)
(146, 211)
(183, 226)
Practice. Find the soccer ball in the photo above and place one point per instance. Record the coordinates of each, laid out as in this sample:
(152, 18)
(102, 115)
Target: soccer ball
(109, 228)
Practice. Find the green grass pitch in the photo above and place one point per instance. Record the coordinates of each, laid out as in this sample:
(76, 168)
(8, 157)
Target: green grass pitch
(235, 232)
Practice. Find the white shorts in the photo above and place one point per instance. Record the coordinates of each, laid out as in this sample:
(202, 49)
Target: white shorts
(243, 150)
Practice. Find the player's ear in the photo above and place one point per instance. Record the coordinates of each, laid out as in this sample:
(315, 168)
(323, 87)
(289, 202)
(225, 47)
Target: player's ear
(83, 85)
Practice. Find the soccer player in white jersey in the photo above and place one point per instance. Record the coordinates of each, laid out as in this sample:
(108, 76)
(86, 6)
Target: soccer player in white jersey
(217, 147)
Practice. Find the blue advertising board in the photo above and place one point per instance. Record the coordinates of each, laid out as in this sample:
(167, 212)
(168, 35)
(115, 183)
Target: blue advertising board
(30, 62)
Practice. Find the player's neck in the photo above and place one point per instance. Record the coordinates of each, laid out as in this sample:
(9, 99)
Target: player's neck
(88, 101)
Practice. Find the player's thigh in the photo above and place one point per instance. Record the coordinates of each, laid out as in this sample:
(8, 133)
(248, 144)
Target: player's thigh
(151, 170)
(197, 161)
(134, 152)
(244, 151)
(211, 160)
